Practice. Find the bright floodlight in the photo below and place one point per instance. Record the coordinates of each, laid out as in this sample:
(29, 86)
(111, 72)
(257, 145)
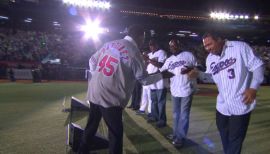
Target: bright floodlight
(88, 3)
(256, 17)
(219, 15)
(92, 29)
(228, 16)
(212, 14)
(231, 16)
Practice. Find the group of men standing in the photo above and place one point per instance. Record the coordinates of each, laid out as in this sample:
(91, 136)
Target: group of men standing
(117, 66)
(181, 87)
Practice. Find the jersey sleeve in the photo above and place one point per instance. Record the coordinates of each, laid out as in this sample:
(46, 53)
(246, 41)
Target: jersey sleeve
(162, 57)
(193, 60)
(138, 67)
(140, 73)
(165, 66)
(251, 60)
(208, 67)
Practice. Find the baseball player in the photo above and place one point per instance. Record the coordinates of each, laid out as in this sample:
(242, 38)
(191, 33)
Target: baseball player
(182, 89)
(115, 68)
(238, 73)
(156, 59)
(145, 99)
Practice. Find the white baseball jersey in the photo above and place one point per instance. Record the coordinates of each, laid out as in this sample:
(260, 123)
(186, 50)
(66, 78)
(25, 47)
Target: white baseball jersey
(180, 85)
(231, 73)
(115, 68)
(159, 56)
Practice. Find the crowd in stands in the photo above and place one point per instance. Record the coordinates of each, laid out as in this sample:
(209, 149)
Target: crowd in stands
(28, 46)
(72, 50)
(264, 52)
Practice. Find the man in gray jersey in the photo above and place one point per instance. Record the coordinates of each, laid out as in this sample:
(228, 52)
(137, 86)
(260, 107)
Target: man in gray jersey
(238, 73)
(115, 69)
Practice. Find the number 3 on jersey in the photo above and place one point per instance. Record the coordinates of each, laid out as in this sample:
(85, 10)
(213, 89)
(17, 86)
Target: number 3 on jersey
(231, 73)
(106, 65)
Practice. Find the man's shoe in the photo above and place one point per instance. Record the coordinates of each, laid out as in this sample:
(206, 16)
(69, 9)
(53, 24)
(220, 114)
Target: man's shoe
(151, 120)
(161, 125)
(139, 112)
(170, 137)
(178, 144)
(130, 106)
(135, 108)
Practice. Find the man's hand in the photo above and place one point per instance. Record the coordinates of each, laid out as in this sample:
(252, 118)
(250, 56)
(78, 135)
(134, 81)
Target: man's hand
(167, 74)
(145, 57)
(193, 74)
(249, 95)
(186, 69)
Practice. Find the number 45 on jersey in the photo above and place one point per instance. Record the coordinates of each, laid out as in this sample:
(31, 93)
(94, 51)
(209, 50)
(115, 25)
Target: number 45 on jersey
(106, 65)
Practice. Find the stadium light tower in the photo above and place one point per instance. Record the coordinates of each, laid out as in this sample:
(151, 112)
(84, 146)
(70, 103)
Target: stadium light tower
(88, 3)
(229, 16)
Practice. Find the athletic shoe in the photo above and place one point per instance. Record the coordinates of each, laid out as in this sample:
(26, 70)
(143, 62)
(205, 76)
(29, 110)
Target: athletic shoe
(178, 144)
(130, 107)
(170, 137)
(136, 108)
(139, 112)
(161, 124)
(151, 120)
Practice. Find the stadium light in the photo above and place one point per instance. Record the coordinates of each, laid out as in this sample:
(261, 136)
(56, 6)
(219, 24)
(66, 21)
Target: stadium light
(28, 20)
(92, 29)
(3, 17)
(193, 35)
(88, 3)
(219, 15)
(184, 31)
(170, 33)
(56, 23)
(181, 35)
(228, 16)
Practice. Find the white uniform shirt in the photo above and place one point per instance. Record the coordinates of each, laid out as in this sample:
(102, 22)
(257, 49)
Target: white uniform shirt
(159, 56)
(180, 85)
(231, 73)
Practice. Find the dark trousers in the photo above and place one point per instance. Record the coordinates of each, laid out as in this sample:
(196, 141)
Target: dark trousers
(158, 106)
(113, 118)
(136, 96)
(232, 130)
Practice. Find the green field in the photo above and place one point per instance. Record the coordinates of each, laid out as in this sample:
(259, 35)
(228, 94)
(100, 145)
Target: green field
(32, 121)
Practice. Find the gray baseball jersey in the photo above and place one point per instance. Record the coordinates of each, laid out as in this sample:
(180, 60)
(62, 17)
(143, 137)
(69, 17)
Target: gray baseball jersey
(115, 68)
(231, 73)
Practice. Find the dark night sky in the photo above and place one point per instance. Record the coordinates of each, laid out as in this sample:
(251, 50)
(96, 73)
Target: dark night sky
(261, 7)
(48, 10)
